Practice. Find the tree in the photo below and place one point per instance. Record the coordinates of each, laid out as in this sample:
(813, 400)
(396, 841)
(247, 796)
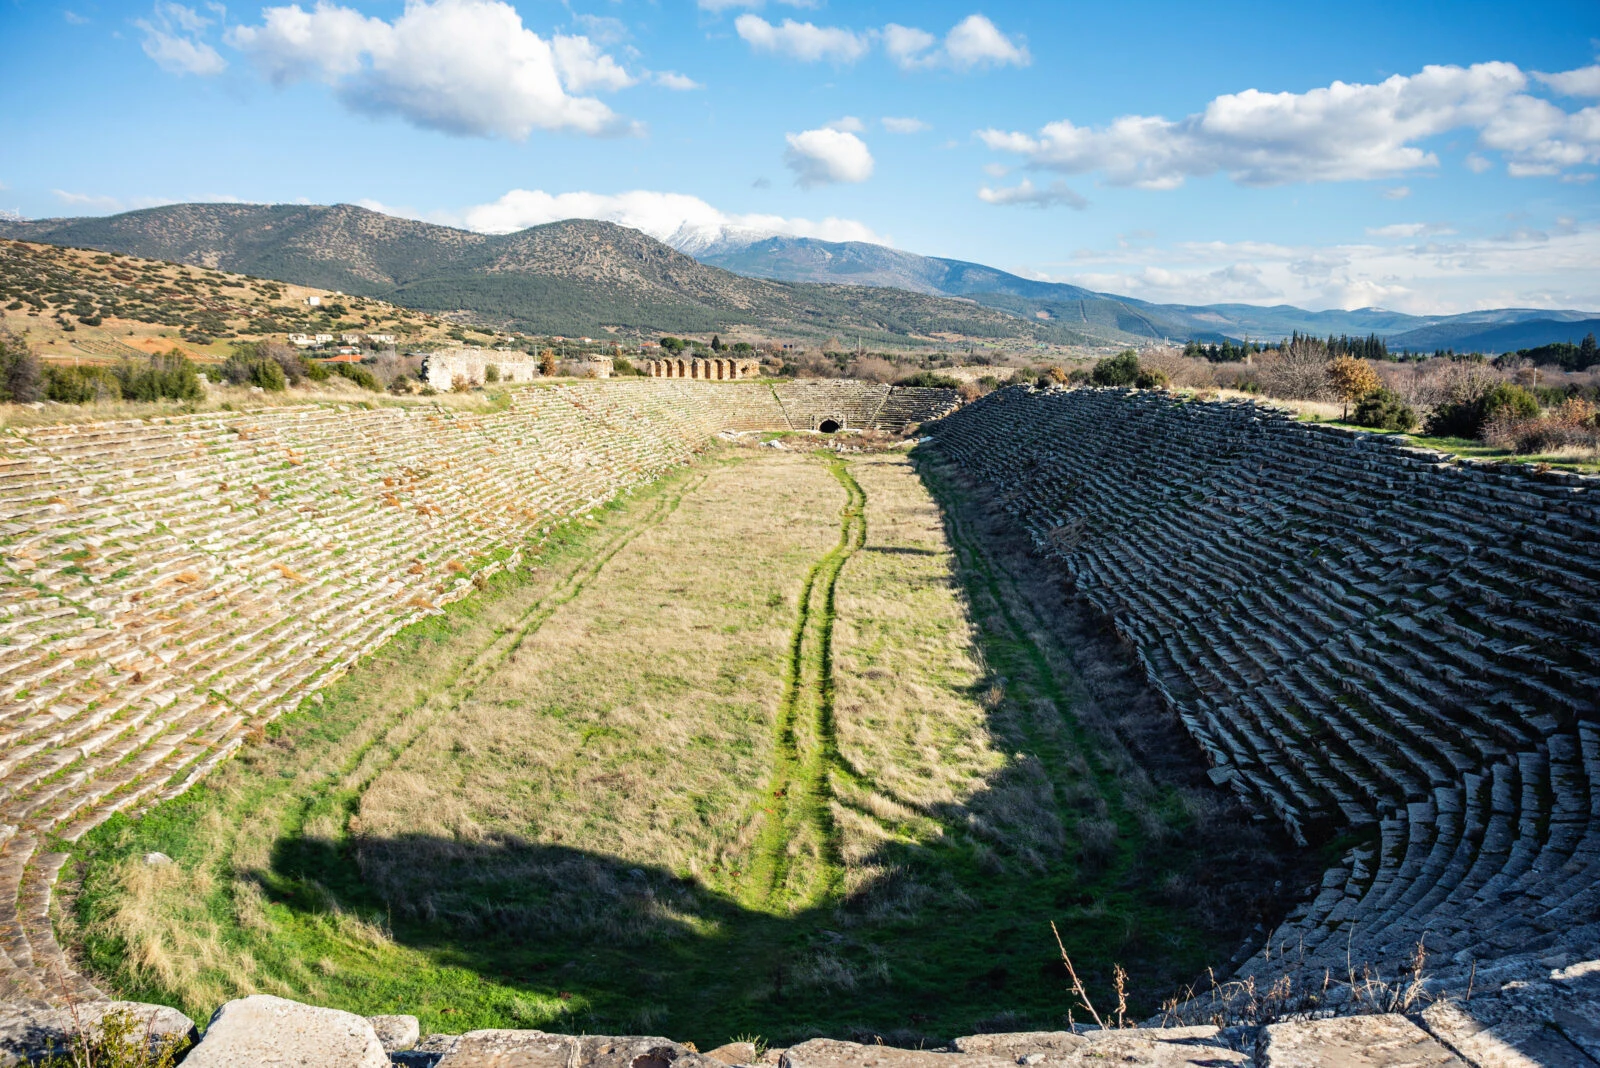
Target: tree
(716, 343)
(1351, 379)
(674, 345)
(1587, 354)
(1150, 378)
(20, 374)
(1119, 370)
(547, 359)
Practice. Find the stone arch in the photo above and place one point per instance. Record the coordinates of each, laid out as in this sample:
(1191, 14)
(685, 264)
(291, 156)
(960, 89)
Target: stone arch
(830, 424)
(681, 370)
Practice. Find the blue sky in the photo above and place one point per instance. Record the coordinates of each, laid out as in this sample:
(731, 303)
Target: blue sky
(1428, 157)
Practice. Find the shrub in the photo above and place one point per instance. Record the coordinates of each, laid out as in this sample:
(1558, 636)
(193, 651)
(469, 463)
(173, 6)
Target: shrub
(1572, 425)
(491, 373)
(460, 384)
(1119, 370)
(21, 379)
(1466, 416)
(81, 385)
(357, 374)
(930, 379)
(168, 377)
(1150, 378)
(1384, 410)
(547, 359)
(251, 369)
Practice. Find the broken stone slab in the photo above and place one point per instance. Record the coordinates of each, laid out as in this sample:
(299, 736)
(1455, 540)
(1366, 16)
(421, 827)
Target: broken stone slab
(427, 1053)
(30, 1030)
(396, 1032)
(1492, 1033)
(1387, 1041)
(833, 1053)
(734, 1053)
(539, 1049)
(1023, 1047)
(1155, 1047)
(269, 1032)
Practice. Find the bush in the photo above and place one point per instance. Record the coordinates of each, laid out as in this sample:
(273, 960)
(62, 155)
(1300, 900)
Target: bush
(491, 373)
(1151, 378)
(81, 385)
(251, 369)
(168, 377)
(930, 379)
(1383, 409)
(548, 365)
(21, 379)
(1572, 425)
(1119, 370)
(357, 374)
(1467, 416)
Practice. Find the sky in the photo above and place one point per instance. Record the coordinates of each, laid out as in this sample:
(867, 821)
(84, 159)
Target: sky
(1426, 157)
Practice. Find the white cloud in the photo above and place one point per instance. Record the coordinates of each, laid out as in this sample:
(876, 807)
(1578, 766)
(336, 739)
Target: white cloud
(905, 43)
(172, 39)
(1025, 194)
(74, 18)
(583, 66)
(111, 205)
(1585, 81)
(849, 124)
(1559, 268)
(972, 42)
(1339, 133)
(977, 42)
(1409, 230)
(904, 125)
(820, 157)
(465, 67)
(1399, 192)
(804, 41)
(1477, 164)
(671, 79)
(684, 221)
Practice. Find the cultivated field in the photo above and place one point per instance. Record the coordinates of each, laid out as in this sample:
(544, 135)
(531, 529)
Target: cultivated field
(785, 743)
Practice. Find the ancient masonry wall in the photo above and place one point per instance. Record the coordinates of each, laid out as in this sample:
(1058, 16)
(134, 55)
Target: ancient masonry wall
(440, 370)
(168, 584)
(1361, 637)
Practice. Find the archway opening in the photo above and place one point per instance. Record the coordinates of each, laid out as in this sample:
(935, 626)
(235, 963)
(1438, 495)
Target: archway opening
(828, 426)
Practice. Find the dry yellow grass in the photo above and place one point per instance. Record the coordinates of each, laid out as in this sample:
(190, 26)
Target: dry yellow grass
(638, 722)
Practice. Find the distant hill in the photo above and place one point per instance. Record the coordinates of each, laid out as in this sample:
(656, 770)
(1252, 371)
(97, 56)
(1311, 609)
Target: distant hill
(800, 259)
(573, 277)
(1527, 334)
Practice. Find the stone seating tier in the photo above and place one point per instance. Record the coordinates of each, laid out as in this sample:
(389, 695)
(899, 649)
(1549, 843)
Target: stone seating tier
(1361, 637)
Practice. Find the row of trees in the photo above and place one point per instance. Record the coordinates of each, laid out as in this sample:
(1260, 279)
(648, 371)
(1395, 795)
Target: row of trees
(1371, 347)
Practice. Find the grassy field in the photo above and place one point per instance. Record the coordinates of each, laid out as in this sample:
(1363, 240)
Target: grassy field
(787, 743)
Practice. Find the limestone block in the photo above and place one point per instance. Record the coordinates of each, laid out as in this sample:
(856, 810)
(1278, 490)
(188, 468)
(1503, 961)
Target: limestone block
(537, 1049)
(1155, 1047)
(1491, 1034)
(396, 1032)
(1388, 1041)
(1023, 1047)
(267, 1032)
(734, 1053)
(832, 1053)
(29, 1030)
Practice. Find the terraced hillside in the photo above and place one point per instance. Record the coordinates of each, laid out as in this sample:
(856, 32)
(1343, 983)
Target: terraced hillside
(1373, 643)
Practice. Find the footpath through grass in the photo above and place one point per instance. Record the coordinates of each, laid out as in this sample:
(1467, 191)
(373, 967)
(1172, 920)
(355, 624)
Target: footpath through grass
(781, 745)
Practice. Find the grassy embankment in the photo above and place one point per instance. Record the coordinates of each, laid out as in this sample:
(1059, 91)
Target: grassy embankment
(759, 752)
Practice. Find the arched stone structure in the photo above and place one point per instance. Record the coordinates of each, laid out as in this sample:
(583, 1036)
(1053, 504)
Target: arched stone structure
(704, 370)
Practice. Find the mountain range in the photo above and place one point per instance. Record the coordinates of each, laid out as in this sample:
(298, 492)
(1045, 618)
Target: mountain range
(587, 277)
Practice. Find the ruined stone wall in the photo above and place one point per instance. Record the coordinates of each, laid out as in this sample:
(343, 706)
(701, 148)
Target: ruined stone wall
(441, 369)
(1363, 638)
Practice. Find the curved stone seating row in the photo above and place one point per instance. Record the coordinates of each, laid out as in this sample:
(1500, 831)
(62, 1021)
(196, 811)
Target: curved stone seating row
(1362, 637)
(170, 584)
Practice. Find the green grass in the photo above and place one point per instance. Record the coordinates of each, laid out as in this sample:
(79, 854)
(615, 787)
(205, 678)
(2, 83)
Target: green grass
(860, 903)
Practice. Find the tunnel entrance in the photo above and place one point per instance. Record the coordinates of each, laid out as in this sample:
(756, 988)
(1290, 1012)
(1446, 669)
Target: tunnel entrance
(828, 426)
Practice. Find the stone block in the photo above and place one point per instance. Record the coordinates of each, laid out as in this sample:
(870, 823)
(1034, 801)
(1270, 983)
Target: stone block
(832, 1053)
(1156, 1047)
(734, 1053)
(1023, 1047)
(1492, 1033)
(30, 1030)
(396, 1032)
(1388, 1041)
(261, 1031)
